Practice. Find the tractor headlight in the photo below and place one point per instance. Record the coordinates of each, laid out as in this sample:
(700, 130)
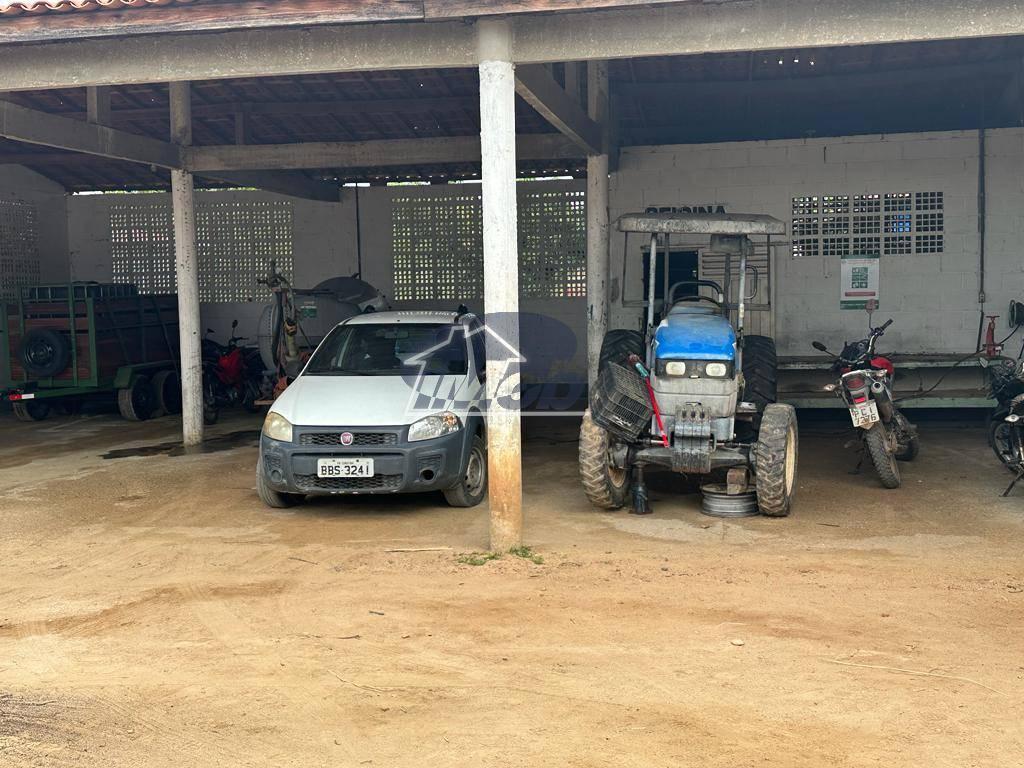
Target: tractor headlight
(675, 368)
(277, 427)
(716, 369)
(438, 425)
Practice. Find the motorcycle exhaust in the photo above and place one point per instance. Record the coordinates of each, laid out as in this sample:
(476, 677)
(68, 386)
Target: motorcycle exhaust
(882, 399)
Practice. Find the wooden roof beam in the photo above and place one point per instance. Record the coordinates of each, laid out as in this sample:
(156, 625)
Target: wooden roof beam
(539, 89)
(34, 127)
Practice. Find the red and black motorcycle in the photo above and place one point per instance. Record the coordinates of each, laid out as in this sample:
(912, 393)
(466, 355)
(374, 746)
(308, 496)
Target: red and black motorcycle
(232, 375)
(865, 385)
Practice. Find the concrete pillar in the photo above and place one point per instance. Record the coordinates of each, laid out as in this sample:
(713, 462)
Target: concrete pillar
(186, 261)
(597, 223)
(501, 282)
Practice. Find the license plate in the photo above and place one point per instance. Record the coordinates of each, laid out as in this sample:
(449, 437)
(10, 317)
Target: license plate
(344, 468)
(865, 413)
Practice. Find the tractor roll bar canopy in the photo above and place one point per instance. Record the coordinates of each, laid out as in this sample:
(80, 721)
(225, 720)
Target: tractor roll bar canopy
(701, 224)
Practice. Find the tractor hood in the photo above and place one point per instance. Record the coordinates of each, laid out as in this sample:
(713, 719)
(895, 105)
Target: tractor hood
(695, 336)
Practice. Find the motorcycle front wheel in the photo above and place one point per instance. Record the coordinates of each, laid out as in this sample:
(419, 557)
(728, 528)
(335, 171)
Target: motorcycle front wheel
(882, 449)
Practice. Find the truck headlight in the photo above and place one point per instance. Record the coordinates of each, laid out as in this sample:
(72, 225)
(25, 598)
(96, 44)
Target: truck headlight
(277, 427)
(716, 369)
(438, 425)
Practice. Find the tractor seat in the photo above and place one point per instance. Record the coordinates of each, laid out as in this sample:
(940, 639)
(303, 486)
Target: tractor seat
(692, 308)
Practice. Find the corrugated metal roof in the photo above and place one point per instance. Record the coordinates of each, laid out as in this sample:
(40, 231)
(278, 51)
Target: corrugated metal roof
(15, 7)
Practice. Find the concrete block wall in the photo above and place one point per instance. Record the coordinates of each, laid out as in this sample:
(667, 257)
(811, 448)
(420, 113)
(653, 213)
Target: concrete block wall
(931, 297)
(22, 185)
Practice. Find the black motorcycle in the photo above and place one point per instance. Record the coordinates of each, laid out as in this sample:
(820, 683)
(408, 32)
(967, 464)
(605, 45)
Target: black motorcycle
(865, 385)
(232, 375)
(1006, 387)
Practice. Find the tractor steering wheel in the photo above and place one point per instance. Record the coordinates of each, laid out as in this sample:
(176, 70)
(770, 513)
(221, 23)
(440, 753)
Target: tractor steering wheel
(698, 297)
(698, 284)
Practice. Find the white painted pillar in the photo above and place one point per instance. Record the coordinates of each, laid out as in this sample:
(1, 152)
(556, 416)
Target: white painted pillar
(186, 261)
(597, 223)
(501, 282)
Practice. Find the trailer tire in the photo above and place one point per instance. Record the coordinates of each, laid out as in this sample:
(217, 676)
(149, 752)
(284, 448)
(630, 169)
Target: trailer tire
(44, 352)
(760, 373)
(167, 389)
(618, 345)
(882, 451)
(30, 410)
(137, 402)
(605, 486)
(775, 460)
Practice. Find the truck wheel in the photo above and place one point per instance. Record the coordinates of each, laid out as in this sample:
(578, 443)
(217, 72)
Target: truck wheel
(137, 401)
(882, 449)
(270, 497)
(30, 410)
(620, 344)
(44, 352)
(472, 488)
(760, 373)
(606, 486)
(775, 458)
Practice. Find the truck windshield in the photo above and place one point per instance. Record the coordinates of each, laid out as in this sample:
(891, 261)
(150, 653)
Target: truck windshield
(394, 349)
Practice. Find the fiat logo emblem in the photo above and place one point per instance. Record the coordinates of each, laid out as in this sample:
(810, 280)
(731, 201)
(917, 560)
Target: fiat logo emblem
(347, 438)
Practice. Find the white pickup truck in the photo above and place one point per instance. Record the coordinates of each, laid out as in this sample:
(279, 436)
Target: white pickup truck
(390, 402)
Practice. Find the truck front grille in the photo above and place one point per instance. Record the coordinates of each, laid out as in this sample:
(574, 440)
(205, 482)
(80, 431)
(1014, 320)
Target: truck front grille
(358, 438)
(375, 483)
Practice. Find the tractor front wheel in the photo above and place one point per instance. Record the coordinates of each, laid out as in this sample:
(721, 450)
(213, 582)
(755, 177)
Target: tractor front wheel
(606, 486)
(618, 345)
(775, 457)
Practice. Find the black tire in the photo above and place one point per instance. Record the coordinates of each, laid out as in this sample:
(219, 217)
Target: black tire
(908, 444)
(30, 410)
(618, 345)
(882, 450)
(44, 353)
(775, 460)
(270, 497)
(760, 373)
(137, 402)
(1000, 438)
(167, 389)
(605, 486)
(211, 411)
(249, 398)
(472, 488)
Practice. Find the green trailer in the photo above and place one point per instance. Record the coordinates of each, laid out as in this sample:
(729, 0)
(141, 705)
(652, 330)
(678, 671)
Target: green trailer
(60, 344)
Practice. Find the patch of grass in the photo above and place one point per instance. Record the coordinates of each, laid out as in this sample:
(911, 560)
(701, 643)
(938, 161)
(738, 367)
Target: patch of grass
(477, 558)
(527, 554)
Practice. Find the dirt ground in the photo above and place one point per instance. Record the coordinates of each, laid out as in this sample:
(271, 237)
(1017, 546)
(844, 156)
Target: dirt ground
(153, 613)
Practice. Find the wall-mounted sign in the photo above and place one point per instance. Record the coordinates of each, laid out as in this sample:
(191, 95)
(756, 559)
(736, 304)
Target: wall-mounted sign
(709, 208)
(859, 283)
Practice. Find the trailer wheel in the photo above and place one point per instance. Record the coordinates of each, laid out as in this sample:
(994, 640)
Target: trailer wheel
(619, 344)
(137, 401)
(760, 373)
(44, 352)
(167, 389)
(882, 448)
(30, 410)
(605, 486)
(775, 458)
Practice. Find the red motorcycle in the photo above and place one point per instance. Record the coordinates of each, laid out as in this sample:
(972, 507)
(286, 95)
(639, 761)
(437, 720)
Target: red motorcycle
(232, 375)
(865, 385)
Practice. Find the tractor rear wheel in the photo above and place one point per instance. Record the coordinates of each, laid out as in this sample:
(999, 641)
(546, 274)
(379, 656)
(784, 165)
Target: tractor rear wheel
(619, 345)
(760, 373)
(775, 457)
(606, 486)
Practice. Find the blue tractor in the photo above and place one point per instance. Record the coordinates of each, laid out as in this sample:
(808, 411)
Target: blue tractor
(691, 392)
